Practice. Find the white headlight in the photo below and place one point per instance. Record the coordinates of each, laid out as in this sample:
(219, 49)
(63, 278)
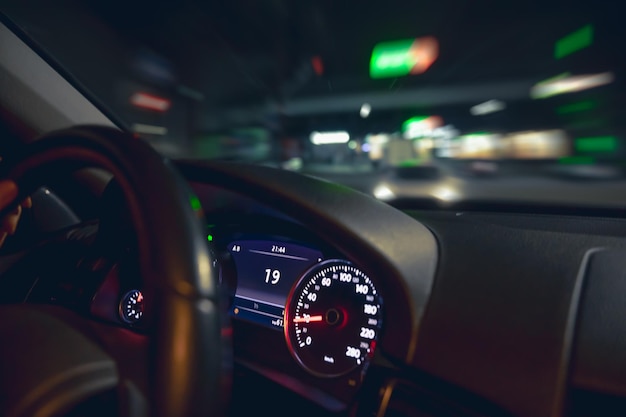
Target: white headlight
(383, 192)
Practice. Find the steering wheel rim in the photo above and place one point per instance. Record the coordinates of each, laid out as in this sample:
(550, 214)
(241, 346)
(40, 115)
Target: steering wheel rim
(187, 359)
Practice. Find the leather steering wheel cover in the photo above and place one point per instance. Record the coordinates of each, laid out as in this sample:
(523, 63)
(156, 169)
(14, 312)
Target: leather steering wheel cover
(176, 266)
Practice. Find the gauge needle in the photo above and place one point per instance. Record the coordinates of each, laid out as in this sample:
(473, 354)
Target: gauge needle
(307, 319)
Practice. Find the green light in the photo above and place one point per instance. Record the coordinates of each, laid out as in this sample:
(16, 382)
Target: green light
(596, 144)
(577, 160)
(195, 203)
(209, 238)
(477, 134)
(412, 122)
(577, 107)
(391, 59)
(403, 57)
(575, 41)
(407, 163)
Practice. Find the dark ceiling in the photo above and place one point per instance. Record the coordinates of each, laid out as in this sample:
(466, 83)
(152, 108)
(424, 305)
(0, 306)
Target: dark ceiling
(252, 60)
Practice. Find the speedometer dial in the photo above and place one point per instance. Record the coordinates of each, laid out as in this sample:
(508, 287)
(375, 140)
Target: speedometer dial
(332, 318)
(131, 307)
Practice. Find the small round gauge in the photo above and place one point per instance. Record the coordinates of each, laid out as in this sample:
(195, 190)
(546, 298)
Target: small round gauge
(131, 307)
(332, 318)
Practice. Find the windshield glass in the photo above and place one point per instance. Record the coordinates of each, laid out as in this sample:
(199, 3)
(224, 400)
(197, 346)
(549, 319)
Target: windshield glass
(444, 101)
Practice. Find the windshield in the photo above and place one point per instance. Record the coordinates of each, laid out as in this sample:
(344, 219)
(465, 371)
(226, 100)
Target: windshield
(450, 100)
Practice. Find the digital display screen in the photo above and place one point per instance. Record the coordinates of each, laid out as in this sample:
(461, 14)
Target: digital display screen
(266, 271)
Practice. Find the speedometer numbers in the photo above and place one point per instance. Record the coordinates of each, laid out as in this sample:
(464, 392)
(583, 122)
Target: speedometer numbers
(131, 307)
(332, 318)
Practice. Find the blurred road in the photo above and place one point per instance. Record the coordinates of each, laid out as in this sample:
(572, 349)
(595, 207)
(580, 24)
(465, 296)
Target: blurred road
(575, 187)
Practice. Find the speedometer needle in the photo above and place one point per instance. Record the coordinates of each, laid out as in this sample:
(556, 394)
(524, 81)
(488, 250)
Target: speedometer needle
(307, 319)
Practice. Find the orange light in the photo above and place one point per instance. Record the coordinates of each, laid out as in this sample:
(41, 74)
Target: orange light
(307, 319)
(425, 52)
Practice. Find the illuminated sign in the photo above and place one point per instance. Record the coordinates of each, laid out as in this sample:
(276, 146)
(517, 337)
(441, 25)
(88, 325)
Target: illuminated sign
(327, 138)
(420, 126)
(566, 83)
(487, 107)
(150, 102)
(403, 57)
(575, 41)
(596, 144)
(148, 129)
(577, 107)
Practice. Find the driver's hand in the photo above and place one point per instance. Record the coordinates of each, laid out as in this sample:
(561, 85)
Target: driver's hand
(8, 194)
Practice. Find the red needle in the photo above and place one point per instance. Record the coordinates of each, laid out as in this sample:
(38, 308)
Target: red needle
(307, 319)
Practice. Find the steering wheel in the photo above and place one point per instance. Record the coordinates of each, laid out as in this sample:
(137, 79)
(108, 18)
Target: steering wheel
(48, 365)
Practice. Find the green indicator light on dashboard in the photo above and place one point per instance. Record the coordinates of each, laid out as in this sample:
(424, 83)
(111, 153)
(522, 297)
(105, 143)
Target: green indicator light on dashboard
(209, 238)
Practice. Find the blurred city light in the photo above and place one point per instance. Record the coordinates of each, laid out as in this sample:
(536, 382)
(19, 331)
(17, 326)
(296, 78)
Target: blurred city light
(421, 126)
(326, 138)
(318, 65)
(189, 92)
(541, 144)
(403, 57)
(575, 41)
(365, 110)
(148, 129)
(570, 84)
(478, 145)
(446, 193)
(376, 146)
(577, 160)
(152, 67)
(537, 144)
(150, 102)
(292, 164)
(487, 107)
(596, 144)
(383, 192)
(576, 107)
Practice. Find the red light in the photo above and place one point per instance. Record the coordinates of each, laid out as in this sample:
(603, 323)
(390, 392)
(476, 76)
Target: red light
(139, 297)
(372, 349)
(150, 102)
(318, 65)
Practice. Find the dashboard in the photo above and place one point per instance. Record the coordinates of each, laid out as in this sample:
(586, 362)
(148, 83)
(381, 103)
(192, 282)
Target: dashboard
(328, 309)
(302, 314)
(324, 315)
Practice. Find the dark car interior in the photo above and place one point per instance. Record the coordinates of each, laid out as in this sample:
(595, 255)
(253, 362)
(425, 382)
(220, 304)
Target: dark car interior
(140, 284)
